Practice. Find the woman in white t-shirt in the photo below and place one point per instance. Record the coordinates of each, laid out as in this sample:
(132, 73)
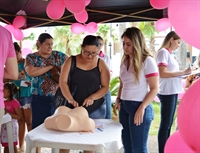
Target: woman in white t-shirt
(139, 84)
(170, 85)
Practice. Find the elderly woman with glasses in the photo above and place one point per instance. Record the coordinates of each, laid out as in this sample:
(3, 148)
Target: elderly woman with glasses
(91, 76)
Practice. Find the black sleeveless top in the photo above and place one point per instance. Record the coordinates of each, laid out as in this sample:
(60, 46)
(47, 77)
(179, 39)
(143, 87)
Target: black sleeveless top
(87, 82)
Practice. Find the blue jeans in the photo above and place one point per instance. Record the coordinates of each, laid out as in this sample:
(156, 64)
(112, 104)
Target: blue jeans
(99, 113)
(42, 107)
(134, 138)
(168, 108)
(108, 105)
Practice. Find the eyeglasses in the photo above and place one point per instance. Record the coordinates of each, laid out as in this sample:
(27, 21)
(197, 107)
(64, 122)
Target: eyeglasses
(93, 54)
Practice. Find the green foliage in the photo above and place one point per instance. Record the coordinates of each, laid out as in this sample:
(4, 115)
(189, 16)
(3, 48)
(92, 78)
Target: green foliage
(104, 31)
(147, 28)
(31, 37)
(67, 42)
(114, 86)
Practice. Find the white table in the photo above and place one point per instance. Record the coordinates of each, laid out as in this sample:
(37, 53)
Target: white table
(7, 119)
(107, 140)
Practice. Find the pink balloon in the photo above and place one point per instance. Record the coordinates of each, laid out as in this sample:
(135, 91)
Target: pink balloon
(184, 16)
(10, 28)
(159, 4)
(75, 6)
(87, 2)
(18, 34)
(77, 28)
(81, 17)
(26, 51)
(175, 144)
(189, 117)
(92, 27)
(55, 9)
(19, 21)
(162, 24)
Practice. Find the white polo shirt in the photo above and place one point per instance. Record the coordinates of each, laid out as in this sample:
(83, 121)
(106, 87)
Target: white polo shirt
(137, 92)
(107, 60)
(173, 85)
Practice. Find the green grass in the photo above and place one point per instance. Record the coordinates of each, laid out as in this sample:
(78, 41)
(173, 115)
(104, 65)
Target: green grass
(156, 122)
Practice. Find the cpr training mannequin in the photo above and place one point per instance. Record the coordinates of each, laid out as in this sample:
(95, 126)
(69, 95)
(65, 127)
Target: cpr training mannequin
(66, 119)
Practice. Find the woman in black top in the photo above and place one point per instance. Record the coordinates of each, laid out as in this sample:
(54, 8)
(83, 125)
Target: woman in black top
(91, 76)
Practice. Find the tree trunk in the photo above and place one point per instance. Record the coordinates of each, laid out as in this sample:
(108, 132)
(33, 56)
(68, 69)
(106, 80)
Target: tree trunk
(152, 46)
(181, 55)
(122, 27)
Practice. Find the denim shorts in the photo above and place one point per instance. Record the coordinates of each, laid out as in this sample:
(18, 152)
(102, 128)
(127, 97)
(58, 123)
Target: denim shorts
(25, 102)
(99, 113)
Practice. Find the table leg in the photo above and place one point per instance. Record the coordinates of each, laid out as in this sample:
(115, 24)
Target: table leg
(10, 137)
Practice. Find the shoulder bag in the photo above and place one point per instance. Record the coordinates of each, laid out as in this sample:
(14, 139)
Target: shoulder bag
(59, 99)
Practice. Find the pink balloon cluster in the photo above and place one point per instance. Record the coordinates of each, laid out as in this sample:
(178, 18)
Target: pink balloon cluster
(187, 138)
(184, 16)
(56, 8)
(18, 22)
(78, 28)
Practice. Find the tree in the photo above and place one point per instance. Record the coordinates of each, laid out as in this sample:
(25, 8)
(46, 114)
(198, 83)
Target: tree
(67, 42)
(181, 55)
(149, 31)
(106, 31)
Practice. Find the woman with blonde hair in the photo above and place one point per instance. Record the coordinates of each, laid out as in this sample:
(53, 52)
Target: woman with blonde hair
(138, 87)
(170, 85)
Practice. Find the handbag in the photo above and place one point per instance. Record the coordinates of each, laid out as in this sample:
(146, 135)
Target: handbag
(55, 72)
(59, 99)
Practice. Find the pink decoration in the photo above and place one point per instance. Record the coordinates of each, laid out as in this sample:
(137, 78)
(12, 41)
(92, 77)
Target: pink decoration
(92, 27)
(175, 144)
(159, 4)
(26, 51)
(184, 16)
(188, 117)
(156, 99)
(75, 6)
(77, 28)
(10, 28)
(19, 21)
(55, 9)
(87, 2)
(180, 95)
(18, 34)
(81, 17)
(162, 24)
